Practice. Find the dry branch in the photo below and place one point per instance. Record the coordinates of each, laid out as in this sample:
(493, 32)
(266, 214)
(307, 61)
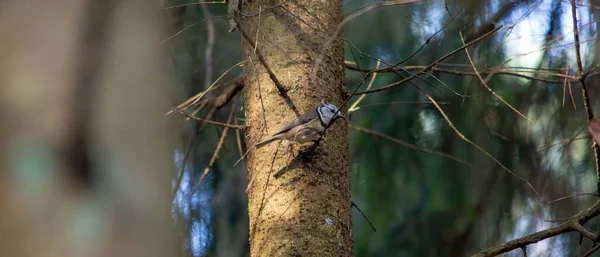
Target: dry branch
(464, 138)
(228, 93)
(573, 224)
(218, 149)
(584, 90)
(411, 146)
(354, 106)
(197, 3)
(486, 71)
(504, 11)
(198, 128)
(353, 15)
(428, 67)
(483, 82)
(226, 125)
(194, 100)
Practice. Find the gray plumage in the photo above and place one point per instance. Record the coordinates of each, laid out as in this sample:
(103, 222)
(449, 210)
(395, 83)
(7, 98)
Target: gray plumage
(304, 129)
(310, 126)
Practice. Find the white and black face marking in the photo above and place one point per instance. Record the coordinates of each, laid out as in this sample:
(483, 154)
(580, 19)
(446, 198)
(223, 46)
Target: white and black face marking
(328, 112)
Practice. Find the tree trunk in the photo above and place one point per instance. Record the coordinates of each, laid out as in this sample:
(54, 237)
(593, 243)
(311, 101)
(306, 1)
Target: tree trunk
(297, 207)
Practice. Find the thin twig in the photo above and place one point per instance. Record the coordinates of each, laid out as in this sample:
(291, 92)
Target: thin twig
(196, 3)
(397, 102)
(219, 146)
(354, 107)
(184, 161)
(505, 10)
(576, 35)
(208, 61)
(571, 93)
(584, 90)
(352, 204)
(574, 224)
(210, 45)
(431, 65)
(411, 146)
(231, 89)
(238, 139)
(186, 28)
(561, 142)
(339, 27)
(486, 85)
(487, 72)
(462, 39)
(565, 90)
(592, 251)
(198, 128)
(226, 125)
(392, 68)
(195, 99)
(464, 138)
(569, 197)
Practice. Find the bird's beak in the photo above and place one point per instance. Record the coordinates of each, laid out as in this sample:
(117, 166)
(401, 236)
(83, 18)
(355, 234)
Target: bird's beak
(341, 115)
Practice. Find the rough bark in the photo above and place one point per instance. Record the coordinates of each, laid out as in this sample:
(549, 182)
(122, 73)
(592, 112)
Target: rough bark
(297, 206)
(85, 160)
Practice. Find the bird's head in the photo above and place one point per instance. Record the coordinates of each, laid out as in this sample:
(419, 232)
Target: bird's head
(329, 112)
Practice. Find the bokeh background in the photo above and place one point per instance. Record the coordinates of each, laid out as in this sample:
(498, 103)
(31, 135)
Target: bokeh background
(89, 80)
(427, 191)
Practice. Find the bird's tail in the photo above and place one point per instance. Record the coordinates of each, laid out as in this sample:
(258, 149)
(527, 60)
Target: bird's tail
(258, 145)
(266, 142)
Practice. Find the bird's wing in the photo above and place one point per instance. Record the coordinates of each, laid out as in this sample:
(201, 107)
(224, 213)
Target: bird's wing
(304, 118)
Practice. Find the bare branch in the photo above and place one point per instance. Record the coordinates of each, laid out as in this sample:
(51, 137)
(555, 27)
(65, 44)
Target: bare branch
(486, 71)
(584, 90)
(592, 251)
(411, 146)
(504, 11)
(210, 45)
(464, 138)
(348, 18)
(229, 93)
(218, 149)
(354, 106)
(428, 67)
(561, 142)
(196, 99)
(199, 127)
(483, 82)
(226, 125)
(576, 35)
(570, 196)
(197, 3)
(396, 102)
(573, 224)
(352, 204)
(186, 28)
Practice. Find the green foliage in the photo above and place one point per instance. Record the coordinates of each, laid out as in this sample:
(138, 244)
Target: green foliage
(423, 204)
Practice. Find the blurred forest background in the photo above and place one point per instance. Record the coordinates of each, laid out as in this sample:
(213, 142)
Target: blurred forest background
(509, 156)
(427, 191)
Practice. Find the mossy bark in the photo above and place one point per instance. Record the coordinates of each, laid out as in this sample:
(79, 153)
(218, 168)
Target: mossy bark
(299, 204)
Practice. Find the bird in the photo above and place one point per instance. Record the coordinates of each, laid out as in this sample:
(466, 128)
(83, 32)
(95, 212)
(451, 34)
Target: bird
(310, 126)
